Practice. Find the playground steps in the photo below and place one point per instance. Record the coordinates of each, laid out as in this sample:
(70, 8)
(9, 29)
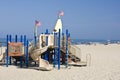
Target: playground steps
(74, 58)
(81, 63)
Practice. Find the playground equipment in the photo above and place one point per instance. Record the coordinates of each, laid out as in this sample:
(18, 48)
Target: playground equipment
(54, 48)
(51, 48)
(36, 56)
(2, 53)
(58, 26)
(17, 50)
(48, 46)
(1, 57)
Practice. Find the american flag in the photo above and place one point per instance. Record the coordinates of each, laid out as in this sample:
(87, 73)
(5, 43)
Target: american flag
(37, 23)
(61, 13)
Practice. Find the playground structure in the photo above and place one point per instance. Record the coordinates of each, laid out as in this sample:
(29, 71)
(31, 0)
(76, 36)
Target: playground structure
(49, 48)
(20, 50)
(54, 48)
(17, 50)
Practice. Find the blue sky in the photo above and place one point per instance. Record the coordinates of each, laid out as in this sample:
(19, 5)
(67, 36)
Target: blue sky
(85, 19)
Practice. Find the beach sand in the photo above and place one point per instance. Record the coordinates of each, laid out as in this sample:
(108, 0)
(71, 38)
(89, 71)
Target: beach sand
(104, 65)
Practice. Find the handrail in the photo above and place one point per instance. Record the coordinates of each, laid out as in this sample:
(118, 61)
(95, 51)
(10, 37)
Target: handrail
(88, 59)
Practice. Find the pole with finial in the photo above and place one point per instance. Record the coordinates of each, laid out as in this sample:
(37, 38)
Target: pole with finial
(37, 24)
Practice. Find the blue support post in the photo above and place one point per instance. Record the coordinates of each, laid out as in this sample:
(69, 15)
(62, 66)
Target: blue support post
(63, 47)
(35, 41)
(21, 59)
(10, 38)
(27, 56)
(21, 38)
(59, 49)
(67, 48)
(62, 40)
(24, 40)
(54, 50)
(16, 41)
(10, 56)
(16, 38)
(7, 59)
(25, 49)
(46, 54)
(46, 31)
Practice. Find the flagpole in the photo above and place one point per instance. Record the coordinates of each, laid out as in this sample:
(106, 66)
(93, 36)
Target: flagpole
(35, 36)
(37, 24)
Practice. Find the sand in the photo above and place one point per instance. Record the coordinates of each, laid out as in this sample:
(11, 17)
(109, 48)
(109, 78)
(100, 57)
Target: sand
(105, 65)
